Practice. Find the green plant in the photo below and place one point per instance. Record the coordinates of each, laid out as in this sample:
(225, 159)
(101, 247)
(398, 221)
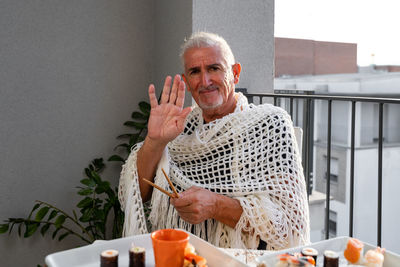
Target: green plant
(99, 198)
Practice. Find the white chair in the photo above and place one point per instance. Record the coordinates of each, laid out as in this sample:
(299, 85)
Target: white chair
(298, 133)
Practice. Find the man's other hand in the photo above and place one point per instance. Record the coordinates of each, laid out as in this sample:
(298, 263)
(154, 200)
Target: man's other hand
(195, 205)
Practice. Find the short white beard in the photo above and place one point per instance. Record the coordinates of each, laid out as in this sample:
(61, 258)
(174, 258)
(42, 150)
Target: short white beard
(208, 106)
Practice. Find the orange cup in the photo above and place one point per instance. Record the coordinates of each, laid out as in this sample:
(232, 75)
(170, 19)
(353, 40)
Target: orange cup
(169, 247)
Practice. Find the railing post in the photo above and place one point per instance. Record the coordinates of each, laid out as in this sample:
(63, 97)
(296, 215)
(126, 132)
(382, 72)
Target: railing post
(353, 119)
(328, 170)
(380, 150)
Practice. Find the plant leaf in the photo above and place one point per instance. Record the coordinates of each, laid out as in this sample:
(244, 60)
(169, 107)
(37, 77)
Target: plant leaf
(88, 182)
(145, 107)
(3, 228)
(53, 214)
(86, 216)
(37, 205)
(85, 202)
(85, 191)
(122, 136)
(98, 164)
(96, 177)
(41, 213)
(139, 116)
(116, 158)
(135, 125)
(30, 229)
(76, 217)
(87, 172)
(122, 145)
(44, 229)
(64, 235)
(55, 233)
(59, 221)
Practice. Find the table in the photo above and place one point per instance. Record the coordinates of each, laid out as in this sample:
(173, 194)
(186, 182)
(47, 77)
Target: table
(247, 256)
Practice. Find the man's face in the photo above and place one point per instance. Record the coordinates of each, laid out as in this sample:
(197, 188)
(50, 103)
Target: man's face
(208, 78)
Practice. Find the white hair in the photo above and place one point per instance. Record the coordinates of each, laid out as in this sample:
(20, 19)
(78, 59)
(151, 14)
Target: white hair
(207, 39)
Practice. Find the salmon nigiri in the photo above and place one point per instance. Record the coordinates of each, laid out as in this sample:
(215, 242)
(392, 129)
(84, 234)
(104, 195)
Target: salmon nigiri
(374, 258)
(354, 251)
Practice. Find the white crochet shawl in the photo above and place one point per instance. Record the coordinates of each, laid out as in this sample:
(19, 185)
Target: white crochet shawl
(250, 155)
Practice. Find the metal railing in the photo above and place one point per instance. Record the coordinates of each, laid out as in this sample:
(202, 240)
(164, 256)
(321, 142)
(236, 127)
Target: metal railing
(309, 98)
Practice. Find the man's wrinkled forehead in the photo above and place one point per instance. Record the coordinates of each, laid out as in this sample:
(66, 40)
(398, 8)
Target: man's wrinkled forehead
(210, 55)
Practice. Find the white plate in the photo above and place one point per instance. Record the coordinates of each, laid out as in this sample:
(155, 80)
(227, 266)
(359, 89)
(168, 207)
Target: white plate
(337, 244)
(89, 256)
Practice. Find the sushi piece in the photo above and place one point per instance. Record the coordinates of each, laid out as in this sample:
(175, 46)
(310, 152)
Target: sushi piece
(354, 251)
(308, 259)
(282, 260)
(374, 258)
(196, 260)
(331, 259)
(310, 252)
(109, 258)
(137, 257)
(189, 249)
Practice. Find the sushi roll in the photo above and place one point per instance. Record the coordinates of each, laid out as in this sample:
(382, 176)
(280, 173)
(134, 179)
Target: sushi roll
(137, 257)
(109, 258)
(354, 251)
(331, 259)
(195, 260)
(310, 252)
(282, 260)
(374, 258)
(308, 259)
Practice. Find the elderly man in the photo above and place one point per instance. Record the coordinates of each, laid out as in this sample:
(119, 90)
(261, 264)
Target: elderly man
(236, 166)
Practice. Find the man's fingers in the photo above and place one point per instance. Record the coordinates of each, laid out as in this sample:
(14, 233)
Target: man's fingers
(175, 85)
(181, 94)
(152, 96)
(181, 202)
(166, 90)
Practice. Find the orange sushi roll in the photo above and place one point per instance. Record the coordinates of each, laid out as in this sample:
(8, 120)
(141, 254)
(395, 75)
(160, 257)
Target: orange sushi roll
(354, 251)
(196, 259)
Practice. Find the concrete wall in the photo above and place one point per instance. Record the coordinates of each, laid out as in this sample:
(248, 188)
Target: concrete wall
(71, 73)
(248, 27)
(170, 32)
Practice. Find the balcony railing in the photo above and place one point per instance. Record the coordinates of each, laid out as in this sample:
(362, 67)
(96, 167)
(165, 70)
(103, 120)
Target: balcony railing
(308, 98)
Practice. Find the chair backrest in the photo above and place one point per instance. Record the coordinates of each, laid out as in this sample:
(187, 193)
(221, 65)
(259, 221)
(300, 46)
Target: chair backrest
(298, 133)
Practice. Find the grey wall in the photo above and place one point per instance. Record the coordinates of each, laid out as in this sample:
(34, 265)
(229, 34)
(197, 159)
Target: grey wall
(248, 27)
(173, 22)
(71, 72)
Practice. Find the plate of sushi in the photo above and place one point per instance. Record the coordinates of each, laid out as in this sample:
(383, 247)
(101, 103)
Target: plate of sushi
(335, 252)
(137, 251)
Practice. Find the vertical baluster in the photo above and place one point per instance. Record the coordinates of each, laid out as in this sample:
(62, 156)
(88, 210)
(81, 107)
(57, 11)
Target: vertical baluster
(380, 149)
(353, 123)
(328, 170)
(291, 108)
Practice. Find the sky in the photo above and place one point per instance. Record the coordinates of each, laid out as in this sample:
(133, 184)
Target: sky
(373, 24)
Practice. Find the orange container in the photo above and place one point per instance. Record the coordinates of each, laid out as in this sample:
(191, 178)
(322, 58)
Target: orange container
(169, 247)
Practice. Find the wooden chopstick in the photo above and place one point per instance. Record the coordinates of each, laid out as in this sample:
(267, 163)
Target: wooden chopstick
(159, 188)
(170, 183)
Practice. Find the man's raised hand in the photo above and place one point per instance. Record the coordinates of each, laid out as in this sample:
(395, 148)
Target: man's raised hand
(167, 118)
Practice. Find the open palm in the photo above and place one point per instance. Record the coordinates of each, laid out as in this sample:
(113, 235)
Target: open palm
(167, 118)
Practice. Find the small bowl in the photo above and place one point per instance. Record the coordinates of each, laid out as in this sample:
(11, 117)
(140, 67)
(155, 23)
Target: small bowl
(169, 247)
